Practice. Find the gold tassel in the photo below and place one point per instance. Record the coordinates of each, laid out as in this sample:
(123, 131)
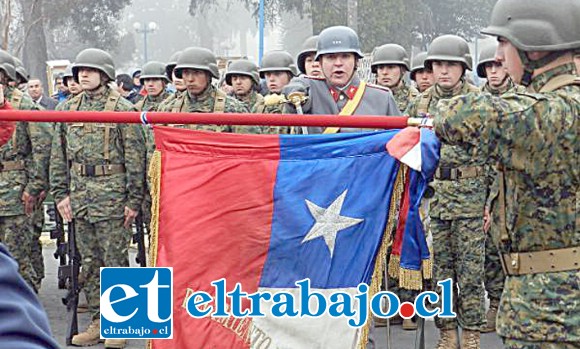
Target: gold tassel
(410, 279)
(379, 271)
(428, 267)
(155, 180)
(394, 265)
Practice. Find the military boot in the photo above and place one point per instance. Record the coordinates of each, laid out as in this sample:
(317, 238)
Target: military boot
(448, 339)
(491, 316)
(90, 337)
(470, 339)
(115, 343)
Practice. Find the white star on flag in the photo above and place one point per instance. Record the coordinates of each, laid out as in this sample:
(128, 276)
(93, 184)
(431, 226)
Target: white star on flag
(329, 222)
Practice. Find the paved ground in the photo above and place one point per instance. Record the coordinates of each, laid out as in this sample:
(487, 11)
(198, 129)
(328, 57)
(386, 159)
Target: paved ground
(51, 298)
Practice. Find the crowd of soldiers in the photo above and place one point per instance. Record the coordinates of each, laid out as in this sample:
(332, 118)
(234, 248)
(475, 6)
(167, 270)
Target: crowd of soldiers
(504, 204)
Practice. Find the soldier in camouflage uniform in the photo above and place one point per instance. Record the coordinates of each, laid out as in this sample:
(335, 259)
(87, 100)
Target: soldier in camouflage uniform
(21, 75)
(177, 83)
(422, 76)
(498, 83)
(23, 179)
(305, 61)
(73, 87)
(278, 69)
(197, 67)
(106, 186)
(389, 63)
(243, 76)
(457, 207)
(533, 140)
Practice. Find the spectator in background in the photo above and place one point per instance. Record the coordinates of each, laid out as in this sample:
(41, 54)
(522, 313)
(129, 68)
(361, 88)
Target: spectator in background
(36, 92)
(126, 88)
(62, 91)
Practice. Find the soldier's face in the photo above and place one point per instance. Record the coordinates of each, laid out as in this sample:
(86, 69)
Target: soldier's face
(447, 74)
(389, 75)
(508, 55)
(89, 79)
(312, 67)
(496, 73)
(61, 86)
(178, 83)
(154, 87)
(276, 80)
(338, 68)
(73, 87)
(196, 81)
(577, 62)
(241, 84)
(424, 79)
(34, 89)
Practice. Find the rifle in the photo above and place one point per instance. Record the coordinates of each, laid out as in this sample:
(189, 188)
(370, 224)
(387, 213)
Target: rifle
(139, 239)
(72, 298)
(58, 233)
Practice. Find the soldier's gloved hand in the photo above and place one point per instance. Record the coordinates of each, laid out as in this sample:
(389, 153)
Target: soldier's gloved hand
(130, 216)
(65, 209)
(29, 203)
(293, 89)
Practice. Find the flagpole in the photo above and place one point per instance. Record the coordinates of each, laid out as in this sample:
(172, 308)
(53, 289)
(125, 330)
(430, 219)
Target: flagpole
(261, 32)
(359, 121)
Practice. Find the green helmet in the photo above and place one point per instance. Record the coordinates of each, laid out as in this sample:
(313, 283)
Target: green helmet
(171, 64)
(449, 48)
(389, 54)
(153, 70)
(486, 55)
(21, 73)
(539, 25)
(67, 74)
(278, 61)
(242, 67)
(94, 58)
(338, 39)
(7, 65)
(197, 58)
(308, 48)
(418, 63)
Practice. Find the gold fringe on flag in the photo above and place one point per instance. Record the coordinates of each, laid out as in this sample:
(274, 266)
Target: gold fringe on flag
(394, 266)
(155, 180)
(379, 271)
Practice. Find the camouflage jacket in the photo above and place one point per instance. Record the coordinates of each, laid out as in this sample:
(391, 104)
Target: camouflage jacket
(404, 94)
(534, 139)
(460, 198)
(150, 103)
(510, 87)
(101, 197)
(169, 100)
(256, 104)
(31, 145)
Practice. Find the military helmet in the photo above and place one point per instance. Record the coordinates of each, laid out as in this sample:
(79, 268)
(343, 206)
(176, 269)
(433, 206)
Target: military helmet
(7, 65)
(338, 39)
(197, 58)
(242, 67)
(308, 48)
(389, 54)
(171, 64)
(94, 58)
(67, 74)
(153, 70)
(539, 25)
(278, 61)
(486, 55)
(418, 63)
(21, 72)
(449, 48)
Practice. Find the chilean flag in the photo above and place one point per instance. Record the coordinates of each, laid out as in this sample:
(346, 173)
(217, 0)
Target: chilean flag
(267, 211)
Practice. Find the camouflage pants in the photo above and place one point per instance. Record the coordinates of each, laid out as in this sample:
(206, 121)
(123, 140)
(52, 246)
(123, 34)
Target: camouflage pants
(101, 244)
(517, 344)
(16, 234)
(36, 258)
(459, 254)
(494, 278)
